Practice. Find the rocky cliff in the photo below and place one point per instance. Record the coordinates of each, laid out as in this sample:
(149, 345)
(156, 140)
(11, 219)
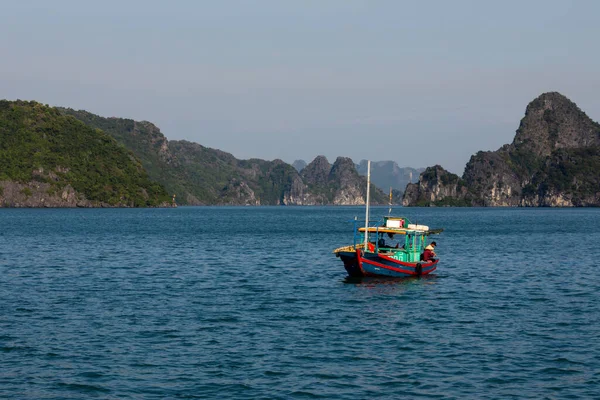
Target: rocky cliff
(436, 187)
(35, 194)
(338, 184)
(554, 160)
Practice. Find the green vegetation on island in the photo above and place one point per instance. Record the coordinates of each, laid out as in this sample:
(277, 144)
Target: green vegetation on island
(199, 175)
(39, 144)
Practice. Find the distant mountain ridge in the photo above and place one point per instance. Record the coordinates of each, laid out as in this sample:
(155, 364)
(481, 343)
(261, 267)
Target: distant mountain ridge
(387, 174)
(384, 174)
(553, 161)
(299, 165)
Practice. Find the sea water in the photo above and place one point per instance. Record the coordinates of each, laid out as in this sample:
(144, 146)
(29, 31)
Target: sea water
(250, 303)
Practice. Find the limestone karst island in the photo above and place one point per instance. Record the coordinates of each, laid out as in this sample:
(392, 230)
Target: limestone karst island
(554, 160)
(59, 157)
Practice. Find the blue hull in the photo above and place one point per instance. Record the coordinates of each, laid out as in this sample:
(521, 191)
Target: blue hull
(359, 264)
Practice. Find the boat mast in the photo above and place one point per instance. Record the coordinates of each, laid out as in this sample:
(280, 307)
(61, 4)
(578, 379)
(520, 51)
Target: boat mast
(367, 208)
(390, 209)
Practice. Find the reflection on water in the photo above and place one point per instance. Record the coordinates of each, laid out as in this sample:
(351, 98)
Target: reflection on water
(376, 281)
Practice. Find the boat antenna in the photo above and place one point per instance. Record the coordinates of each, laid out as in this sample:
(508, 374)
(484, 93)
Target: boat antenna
(367, 203)
(390, 209)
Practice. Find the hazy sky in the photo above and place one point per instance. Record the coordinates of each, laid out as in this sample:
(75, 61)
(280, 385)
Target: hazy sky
(419, 83)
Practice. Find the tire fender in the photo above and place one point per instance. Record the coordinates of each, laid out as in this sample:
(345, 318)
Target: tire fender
(419, 269)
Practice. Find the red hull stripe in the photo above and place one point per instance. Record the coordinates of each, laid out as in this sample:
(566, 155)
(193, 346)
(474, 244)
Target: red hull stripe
(404, 271)
(423, 264)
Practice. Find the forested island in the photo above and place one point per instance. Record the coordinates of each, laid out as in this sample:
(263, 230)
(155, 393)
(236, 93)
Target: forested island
(59, 157)
(200, 175)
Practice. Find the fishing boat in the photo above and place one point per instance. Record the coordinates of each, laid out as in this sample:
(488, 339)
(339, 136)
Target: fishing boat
(374, 253)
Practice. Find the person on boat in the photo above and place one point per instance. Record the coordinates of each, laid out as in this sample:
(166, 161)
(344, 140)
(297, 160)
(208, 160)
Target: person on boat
(429, 253)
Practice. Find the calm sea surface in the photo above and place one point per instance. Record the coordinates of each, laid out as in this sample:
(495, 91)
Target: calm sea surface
(251, 303)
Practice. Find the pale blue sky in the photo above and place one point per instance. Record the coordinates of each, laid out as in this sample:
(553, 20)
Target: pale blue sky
(415, 82)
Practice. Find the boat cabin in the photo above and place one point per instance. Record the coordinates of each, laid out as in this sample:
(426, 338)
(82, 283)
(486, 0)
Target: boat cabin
(395, 238)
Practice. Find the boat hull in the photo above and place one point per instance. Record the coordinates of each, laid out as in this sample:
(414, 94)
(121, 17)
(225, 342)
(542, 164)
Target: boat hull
(359, 263)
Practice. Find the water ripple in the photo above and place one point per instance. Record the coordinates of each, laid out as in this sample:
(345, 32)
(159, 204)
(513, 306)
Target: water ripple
(250, 303)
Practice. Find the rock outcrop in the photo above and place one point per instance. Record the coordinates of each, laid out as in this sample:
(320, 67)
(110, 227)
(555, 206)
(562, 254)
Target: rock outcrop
(491, 179)
(553, 161)
(40, 194)
(338, 184)
(553, 122)
(436, 187)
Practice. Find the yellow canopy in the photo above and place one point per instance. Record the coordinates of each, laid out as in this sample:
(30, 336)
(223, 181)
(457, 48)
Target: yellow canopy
(398, 231)
(383, 229)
